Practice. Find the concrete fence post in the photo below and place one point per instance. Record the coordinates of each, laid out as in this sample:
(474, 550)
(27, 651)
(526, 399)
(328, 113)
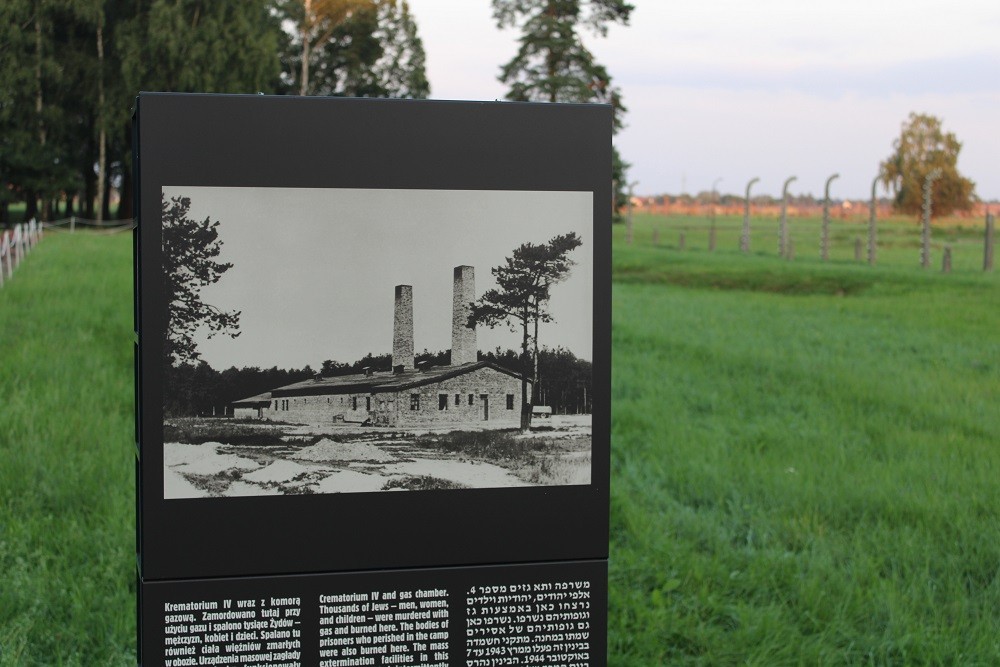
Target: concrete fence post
(72, 224)
(681, 242)
(628, 216)
(925, 233)
(711, 227)
(824, 236)
(946, 260)
(857, 249)
(872, 227)
(783, 227)
(988, 243)
(745, 236)
(16, 245)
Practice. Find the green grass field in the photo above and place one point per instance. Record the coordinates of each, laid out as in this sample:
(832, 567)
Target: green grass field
(67, 463)
(805, 455)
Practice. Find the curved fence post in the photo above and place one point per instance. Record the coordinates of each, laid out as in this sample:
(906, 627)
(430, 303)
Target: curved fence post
(745, 236)
(783, 232)
(3, 254)
(925, 234)
(824, 237)
(988, 243)
(873, 224)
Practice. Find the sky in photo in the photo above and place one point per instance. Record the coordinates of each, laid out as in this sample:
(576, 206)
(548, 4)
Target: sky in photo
(323, 288)
(734, 89)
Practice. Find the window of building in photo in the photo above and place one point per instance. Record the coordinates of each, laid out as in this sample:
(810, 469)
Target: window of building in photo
(510, 401)
(458, 400)
(442, 401)
(354, 402)
(414, 401)
(368, 403)
(470, 399)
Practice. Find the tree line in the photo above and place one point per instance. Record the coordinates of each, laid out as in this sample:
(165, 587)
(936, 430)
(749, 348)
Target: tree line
(197, 389)
(72, 69)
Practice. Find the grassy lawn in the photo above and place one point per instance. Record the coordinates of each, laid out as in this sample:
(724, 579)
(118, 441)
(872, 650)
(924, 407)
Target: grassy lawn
(804, 464)
(67, 463)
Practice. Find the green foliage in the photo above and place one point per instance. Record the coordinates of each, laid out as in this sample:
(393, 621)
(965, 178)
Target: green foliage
(190, 249)
(553, 65)
(208, 46)
(48, 69)
(401, 68)
(72, 69)
(922, 147)
(356, 48)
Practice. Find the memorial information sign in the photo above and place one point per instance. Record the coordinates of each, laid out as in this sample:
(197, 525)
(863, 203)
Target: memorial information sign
(373, 382)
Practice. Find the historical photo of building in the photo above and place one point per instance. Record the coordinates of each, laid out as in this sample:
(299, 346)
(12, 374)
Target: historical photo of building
(359, 340)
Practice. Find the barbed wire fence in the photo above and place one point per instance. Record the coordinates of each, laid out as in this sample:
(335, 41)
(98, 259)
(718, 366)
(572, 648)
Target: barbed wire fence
(17, 242)
(857, 236)
(857, 242)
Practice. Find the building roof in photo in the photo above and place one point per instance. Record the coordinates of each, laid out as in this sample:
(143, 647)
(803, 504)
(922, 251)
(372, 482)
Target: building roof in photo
(379, 381)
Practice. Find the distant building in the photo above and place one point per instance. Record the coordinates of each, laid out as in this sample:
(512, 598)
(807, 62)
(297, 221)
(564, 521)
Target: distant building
(465, 392)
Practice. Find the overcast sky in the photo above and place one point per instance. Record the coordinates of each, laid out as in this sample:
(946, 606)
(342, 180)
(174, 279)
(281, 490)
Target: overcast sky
(734, 89)
(322, 286)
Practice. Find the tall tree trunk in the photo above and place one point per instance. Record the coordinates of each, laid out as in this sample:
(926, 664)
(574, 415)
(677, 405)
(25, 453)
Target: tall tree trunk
(39, 105)
(525, 360)
(304, 75)
(30, 204)
(534, 383)
(102, 157)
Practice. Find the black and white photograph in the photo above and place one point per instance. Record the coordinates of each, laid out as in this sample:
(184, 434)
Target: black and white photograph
(324, 340)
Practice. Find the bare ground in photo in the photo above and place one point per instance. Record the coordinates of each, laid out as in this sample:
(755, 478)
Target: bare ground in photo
(225, 457)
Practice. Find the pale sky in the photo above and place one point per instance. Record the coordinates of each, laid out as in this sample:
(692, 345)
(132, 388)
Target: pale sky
(323, 287)
(734, 89)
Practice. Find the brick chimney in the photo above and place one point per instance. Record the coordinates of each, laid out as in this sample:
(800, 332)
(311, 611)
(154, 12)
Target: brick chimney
(402, 328)
(463, 338)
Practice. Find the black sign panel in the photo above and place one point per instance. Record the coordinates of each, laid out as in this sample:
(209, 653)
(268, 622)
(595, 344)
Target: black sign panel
(373, 361)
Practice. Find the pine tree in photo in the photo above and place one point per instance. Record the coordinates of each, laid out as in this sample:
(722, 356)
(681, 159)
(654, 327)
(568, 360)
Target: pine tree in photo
(190, 251)
(521, 298)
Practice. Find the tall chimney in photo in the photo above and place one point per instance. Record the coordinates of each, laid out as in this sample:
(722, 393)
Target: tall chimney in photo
(463, 338)
(402, 329)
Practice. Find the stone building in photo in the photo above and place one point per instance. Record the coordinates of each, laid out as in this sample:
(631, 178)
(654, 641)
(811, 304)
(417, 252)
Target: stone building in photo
(466, 392)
